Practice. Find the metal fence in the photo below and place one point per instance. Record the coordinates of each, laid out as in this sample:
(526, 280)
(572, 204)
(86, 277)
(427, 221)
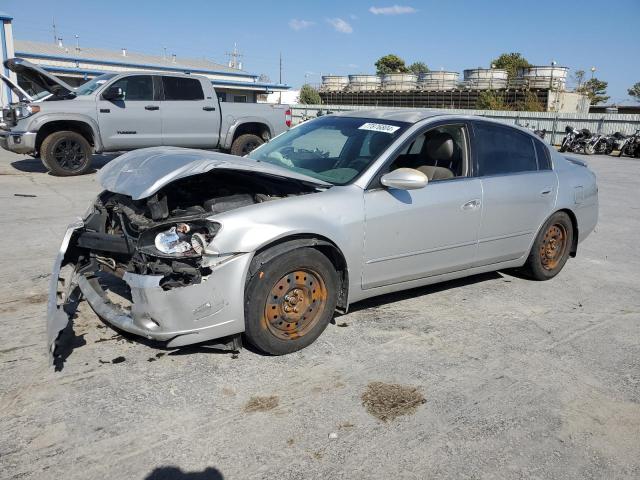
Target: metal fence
(554, 123)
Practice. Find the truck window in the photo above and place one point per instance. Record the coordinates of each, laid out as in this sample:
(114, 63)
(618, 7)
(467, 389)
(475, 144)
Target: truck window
(136, 87)
(180, 88)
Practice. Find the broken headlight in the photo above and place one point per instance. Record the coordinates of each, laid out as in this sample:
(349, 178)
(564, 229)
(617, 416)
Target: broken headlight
(179, 239)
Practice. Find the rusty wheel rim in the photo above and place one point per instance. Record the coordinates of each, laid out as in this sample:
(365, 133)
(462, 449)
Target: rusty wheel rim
(554, 245)
(295, 304)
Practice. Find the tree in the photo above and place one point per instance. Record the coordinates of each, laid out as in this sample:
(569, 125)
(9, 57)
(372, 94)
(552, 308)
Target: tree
(309, 95)
(578, 77)
(635, 91)
(511, 62)
(418, 68)
(390, 64)
(595, 89)
(530, 103)
(491, 100)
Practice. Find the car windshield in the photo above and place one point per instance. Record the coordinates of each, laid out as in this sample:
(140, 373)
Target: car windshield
(92, 85)
(331, 148)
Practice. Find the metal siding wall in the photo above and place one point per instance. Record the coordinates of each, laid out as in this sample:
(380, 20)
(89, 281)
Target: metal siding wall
(553, 122)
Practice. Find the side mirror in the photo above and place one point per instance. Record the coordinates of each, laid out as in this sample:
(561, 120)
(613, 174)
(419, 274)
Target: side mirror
(405, 179)
(113, 93)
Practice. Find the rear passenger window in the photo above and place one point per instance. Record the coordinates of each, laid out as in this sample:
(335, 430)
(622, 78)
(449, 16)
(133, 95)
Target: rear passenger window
(180, 88)
(544, 157)
(502, 150)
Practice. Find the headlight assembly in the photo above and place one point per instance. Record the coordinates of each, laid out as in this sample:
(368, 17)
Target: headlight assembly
(24, 111)
(178, 240)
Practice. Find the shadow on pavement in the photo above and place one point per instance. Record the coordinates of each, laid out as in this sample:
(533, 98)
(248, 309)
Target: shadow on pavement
(35, 165)
(420, 291)
(175, 473)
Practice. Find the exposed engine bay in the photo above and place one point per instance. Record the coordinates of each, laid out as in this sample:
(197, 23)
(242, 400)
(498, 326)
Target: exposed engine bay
(168, 233)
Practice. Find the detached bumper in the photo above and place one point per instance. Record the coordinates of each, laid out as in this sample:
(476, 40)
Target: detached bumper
(18, 142)
(213, 308)
(181, 316)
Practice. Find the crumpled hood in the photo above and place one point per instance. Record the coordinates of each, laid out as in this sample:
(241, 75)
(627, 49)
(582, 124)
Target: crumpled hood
(141, 173)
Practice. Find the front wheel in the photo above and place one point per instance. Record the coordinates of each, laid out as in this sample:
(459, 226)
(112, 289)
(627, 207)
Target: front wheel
(551, 248)
(66, 153)
(290, 301)
(589, 149)
(245, 144)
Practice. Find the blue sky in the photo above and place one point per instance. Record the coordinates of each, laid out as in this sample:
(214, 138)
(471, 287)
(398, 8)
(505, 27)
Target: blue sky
(341, 37)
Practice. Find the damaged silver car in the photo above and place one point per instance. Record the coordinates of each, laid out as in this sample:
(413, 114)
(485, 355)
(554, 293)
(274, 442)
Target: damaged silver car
(185, 246)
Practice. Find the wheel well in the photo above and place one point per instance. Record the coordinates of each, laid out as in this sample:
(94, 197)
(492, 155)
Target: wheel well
(60, 125)
(255, 128)
(574, 224)
(320, 243)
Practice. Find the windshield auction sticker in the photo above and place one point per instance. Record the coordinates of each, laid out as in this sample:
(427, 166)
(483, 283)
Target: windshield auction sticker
(379, 127)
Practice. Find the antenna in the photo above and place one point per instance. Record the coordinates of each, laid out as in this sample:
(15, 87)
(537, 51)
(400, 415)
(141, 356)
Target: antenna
(280, 77)
(55, 33)
(234, 57)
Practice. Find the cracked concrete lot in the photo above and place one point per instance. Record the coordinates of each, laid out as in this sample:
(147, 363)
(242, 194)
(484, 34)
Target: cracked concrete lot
(520, 379)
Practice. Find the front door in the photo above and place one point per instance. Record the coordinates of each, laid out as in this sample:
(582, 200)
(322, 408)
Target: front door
(189, 117)
(134, 121)
(411, 234)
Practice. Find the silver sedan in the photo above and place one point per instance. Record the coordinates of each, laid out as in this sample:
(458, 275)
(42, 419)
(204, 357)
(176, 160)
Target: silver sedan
(185, 246)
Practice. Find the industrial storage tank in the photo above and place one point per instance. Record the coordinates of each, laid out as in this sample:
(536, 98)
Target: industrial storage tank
(485, 79)
(399, 82)
(542, 77)
(434, 81)
(364, 83)
(334, 83)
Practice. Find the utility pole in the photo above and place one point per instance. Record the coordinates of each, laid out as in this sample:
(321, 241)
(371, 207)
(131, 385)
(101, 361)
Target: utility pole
(280, 78)
(234, 58)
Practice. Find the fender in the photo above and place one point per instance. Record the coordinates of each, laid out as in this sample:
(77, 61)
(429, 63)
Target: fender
(234, 123)
(41, 120)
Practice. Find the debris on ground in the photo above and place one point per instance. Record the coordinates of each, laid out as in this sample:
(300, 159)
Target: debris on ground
(118, 360)
(387, 401)
(333, 435)
(342, 324)
(261, 404)
(29, 195)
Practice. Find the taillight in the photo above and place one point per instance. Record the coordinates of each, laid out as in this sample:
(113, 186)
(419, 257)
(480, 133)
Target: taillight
(287, 118)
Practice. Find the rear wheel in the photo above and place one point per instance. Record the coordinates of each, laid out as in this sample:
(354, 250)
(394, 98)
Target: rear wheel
(551, 248)
(589, 149)
(66, 153)
(245, 144)
(290, 301)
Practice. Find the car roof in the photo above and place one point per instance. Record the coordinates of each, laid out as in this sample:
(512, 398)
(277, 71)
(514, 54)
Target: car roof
(410, 115)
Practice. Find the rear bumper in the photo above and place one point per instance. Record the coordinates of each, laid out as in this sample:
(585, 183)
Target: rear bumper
(18, 142)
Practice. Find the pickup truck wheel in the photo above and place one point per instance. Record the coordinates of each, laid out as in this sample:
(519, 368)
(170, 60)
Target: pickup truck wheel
(289, 301)
(244, 144)
(551, 248)
(66, 153)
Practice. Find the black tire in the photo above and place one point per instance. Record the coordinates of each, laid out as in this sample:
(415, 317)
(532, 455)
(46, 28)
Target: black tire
(563, 148)
(304, 279)
(66, 154)
(589, 149)
(551, 249)
(244, 144)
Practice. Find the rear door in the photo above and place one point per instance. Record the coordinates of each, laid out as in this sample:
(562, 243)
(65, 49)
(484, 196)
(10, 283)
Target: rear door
(190, 116)
(518, 191)
(134, 121)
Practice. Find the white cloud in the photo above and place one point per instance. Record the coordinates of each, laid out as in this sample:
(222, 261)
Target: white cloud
(393, 10)
(296, 24)
(340, 25)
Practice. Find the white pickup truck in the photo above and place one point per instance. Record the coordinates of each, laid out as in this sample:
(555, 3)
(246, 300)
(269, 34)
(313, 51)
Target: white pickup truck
(115, 112)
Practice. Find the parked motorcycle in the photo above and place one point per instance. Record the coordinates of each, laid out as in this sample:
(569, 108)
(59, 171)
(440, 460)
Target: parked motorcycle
(630, 145)
(575, 140)
(600, 144)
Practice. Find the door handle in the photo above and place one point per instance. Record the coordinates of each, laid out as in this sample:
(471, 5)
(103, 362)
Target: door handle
(546, 191)
(471, 205)
(152, 107)
(208, 109)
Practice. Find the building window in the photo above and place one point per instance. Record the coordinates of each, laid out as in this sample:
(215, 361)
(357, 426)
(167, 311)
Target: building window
(240, 99)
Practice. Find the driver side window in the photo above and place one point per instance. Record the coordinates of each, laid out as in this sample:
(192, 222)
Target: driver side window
(136, 87)
(440, 153)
